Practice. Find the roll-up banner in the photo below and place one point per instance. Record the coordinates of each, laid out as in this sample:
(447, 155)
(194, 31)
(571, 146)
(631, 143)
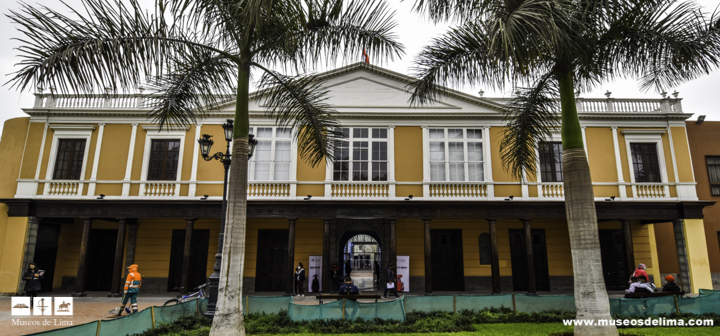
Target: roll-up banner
(315, 269)
(403, 273)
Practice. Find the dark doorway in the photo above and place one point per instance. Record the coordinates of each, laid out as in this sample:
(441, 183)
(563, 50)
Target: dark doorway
(198, 259)
(448, 272)
(615, 268)
(100, 259)
(46, 253)
(272, 261)
(518, 253)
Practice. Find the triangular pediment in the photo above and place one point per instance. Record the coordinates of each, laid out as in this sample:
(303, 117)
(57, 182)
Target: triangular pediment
(368, 92)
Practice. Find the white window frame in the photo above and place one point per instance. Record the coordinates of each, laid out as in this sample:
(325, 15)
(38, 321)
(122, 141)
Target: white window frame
(68, 132)
(292, 176)
(483, 141)
(153, 132)
(554, 137)
(647, 136)
(330, 171)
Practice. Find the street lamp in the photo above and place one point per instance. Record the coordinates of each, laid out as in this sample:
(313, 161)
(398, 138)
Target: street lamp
(226, 158)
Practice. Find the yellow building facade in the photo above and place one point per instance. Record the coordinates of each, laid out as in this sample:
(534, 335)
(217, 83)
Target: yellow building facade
(88, 185)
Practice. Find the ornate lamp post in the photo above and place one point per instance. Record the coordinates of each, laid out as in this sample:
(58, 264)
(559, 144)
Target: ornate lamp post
(205, 146)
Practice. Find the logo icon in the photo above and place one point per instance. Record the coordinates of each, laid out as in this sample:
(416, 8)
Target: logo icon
(20, 306)
(42, 306)
(63, 306)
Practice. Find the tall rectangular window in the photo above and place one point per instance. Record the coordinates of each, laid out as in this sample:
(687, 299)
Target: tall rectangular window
(164, 156)
(69, 159)
(456, 154)
(645, 162)
(271, 160)
(713, 166)
(362, 155)
(551, 165)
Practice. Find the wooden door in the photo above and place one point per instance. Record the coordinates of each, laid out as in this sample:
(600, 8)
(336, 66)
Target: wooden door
(198, 259)
(100, 259)
(271, 269)
(519, 260)
(46, 253)
(448, 272)
(615, 268)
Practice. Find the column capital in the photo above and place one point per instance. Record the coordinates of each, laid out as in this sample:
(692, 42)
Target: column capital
(190, 219)
(525, 220)
(292, 219)
(491, 220)
(426, 220)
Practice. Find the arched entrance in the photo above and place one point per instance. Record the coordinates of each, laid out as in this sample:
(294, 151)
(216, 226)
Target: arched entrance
(362, 254)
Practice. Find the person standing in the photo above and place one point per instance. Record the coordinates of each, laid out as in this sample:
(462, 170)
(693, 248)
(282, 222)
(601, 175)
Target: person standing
(300, 279)
(348, 268)
(32, 278)
(390, 273)
(132, 289)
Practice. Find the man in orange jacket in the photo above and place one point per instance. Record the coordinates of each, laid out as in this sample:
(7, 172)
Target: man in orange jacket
(132, 288)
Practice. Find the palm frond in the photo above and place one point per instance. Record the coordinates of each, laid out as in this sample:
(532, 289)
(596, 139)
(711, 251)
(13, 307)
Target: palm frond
(529, 115)
(662, 42)
(200, 80)
(299, 102)
(458, 10)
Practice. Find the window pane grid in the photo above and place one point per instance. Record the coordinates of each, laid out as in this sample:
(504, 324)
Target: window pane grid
(69, 159)
(645, 163)
(456, 154)
(164, 155)
(713, 166)
(551, 165)
(362, 156)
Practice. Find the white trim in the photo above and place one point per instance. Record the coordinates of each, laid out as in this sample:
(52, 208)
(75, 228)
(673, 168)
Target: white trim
(648, 137)
(391, 160)
(96, 161)
(174, 129)
(193, 173)
(168, 135)
(68, 132)
(42, 150)
(618, 164)
(129, 164)
(426, 159)
(647, 132)
(487, 152)
(587, 155)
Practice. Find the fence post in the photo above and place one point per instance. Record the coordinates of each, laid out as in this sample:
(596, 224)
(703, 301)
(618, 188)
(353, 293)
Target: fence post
(677, 308)
(97, 333)
(152, 315)
(343, 308)
(247, 304)
(454, 304)
(514, 307)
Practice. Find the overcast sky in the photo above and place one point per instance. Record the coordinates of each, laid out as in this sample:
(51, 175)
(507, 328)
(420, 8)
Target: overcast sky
(414, 32)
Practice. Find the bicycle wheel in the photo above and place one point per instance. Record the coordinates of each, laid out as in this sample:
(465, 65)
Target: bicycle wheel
(171, 302)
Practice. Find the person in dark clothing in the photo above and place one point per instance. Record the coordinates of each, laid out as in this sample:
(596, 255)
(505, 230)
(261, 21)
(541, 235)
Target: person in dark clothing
(376, 271)
(391, 279)
(671, 286)
(348, 288)
(32, 278)
(348, 268)
(300, 279)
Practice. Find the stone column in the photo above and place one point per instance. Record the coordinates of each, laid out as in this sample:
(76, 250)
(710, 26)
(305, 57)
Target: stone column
(494, 256)
(80, 278)
(289, 287)
(682, 255)
(629, 250)
(532, 289)
(185, 275)
(428, 258)
(117, 265)
(30, 244)
(326, 256)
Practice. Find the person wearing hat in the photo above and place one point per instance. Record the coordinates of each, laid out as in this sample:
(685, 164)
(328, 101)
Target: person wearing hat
(639, 271)
(132, 288)
(671, 286)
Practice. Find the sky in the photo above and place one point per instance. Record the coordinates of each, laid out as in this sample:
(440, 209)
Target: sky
(413, 31)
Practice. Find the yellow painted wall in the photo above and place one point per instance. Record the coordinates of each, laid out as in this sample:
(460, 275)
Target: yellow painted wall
(140, 136)
(109, 189)
(91, 155)
(188, 154)
(308, 241)
(601, 154)
(114, 153)
(668, 158)
(682, 154)
(408, 155)
(606, 191)
(655, 271)
(12, 252)
(505, 190)
(624, 159)
(410, 242)
(317, 190)
(251, 240)
(32, 147)
(404, 190)
(498, 173)
(697, 255)
(46, 153)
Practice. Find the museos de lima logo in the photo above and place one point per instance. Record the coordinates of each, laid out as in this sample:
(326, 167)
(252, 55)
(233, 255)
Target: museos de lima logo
(41, 306)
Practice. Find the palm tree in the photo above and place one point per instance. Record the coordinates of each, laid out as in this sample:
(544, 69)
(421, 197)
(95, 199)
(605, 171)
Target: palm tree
(548, 49)
(199, 54)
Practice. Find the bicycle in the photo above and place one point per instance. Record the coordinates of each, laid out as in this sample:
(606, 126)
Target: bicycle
(200, 294)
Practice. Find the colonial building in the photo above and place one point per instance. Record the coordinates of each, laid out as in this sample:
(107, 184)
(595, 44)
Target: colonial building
(89, 185)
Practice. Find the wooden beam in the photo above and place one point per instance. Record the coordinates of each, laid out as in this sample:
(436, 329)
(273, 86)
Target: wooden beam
(532, 287)
(185, 275)
(82, 260)
(628, 242)
(326, 257)
(290, 283)
(117, 265)
(495, 257)
(428, 259)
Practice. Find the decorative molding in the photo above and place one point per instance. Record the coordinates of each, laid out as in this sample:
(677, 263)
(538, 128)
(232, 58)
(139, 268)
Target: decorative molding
(73, 128)
(174, 129)
(644, 131)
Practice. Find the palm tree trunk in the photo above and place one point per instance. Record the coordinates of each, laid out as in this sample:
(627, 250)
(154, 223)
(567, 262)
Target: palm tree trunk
(591, 299)
(228, 320)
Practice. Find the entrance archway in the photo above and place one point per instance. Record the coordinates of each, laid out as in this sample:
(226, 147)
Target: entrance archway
(363, 251)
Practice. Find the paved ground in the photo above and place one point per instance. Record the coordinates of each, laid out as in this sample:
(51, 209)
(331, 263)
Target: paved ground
(97, 304)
